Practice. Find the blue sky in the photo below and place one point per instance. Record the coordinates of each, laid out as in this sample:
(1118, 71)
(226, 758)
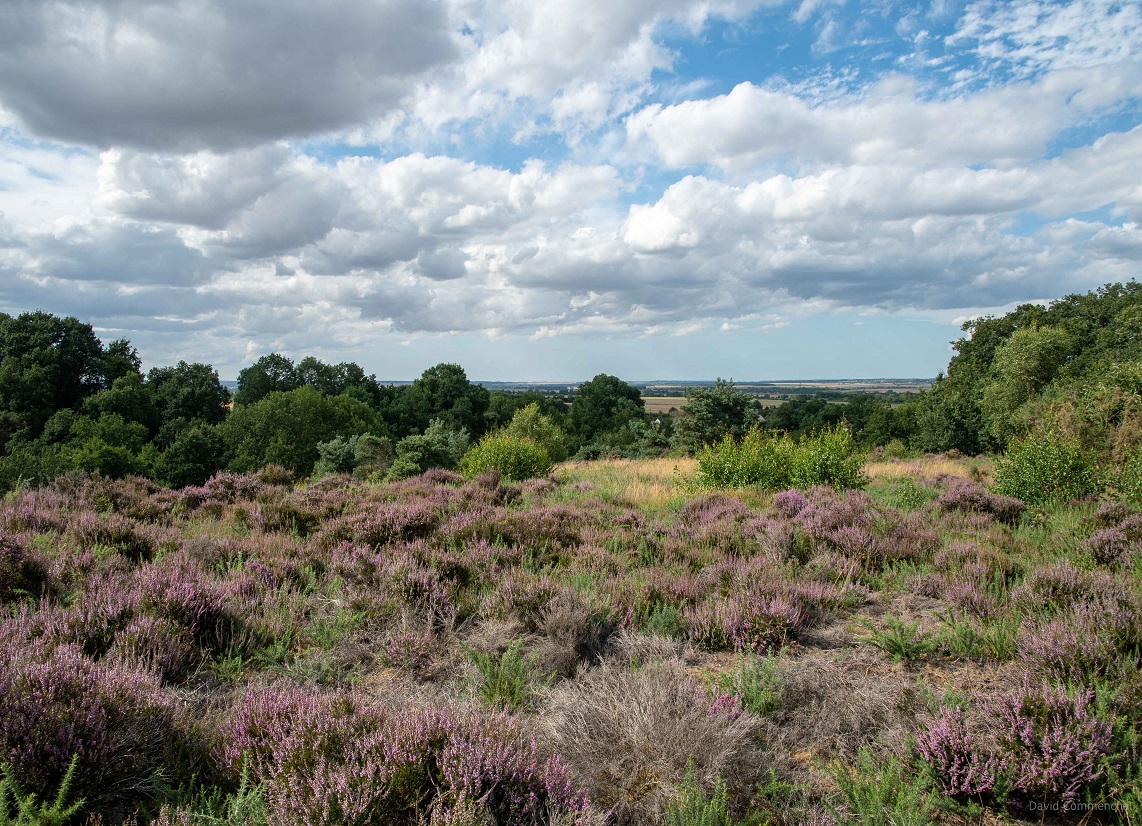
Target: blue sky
(652, 188)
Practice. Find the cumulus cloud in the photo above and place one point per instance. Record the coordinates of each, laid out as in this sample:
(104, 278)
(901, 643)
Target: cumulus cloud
(204, 220)
(211, 73)
(891, 124)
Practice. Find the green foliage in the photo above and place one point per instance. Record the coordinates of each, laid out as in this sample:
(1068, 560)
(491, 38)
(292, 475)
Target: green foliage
(604, 404)
(211, 807)
(759, 460)
(441, 393)
(19, 808)
(439, 446)
(529, 423)
(993, 640)
(710, 413)
(755, 681)
(194, 456)
(49, 363)
(1046, 467)
(902, 640)
(273, 373)
(1022, 366)
(693, 808)
(505, 679)
(875, 794)
(1130, 479)
(514, 457)
(829, 457)
(285, 428)
(191, 392)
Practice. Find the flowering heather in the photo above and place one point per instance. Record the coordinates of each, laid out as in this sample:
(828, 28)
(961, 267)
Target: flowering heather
(960, 764)
(160, 644)
(850, 524)
(1038, 742)
(334, 759)
(1050, 742)
(178, 588)
(386, 523)
(790, 502)
(21, 572)
(962, 495)
(1055, 586)
(1120, 540)
(757, 622)
(1090, 639)
(58, 703)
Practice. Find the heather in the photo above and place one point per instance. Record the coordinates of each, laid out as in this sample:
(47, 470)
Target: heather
(613, 642)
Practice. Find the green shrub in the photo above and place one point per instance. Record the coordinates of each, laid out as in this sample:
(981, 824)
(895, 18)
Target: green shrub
(755, 682)
(439, 446)
(505, 679)
(829, 457)
(514, 457)
(19, 808)
(1046, 467)
(693, 808)
(1130, 480)
(758, 460)
(903, 640)
(875, 794)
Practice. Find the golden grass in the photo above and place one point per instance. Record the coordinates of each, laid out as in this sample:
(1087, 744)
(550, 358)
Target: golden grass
(657, 485)
(654, 484)
(662, 404)
(929, 466)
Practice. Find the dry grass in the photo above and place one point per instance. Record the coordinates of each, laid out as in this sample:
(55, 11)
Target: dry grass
(663, 404)
(653, 484)
(657, 486)
(628, 735)
(929, 467)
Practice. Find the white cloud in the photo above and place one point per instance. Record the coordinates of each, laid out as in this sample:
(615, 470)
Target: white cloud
(1029, 36)
(211, 73)
(752, 126)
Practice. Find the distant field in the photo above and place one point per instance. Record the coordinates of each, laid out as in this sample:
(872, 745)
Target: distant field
(662, 404)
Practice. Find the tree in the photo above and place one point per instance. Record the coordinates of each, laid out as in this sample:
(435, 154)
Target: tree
(709, 413)
(270, 374)
(285, 428)
(442, 392)
(529, 423)
(189, 391)
(49, 363)
(439, 446)
(194, 456)
(1021, 367)
(604, 404)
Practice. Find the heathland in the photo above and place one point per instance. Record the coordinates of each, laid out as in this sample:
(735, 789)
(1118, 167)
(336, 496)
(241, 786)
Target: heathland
(326, 600)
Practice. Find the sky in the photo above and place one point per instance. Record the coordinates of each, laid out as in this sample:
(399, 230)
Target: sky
(545, 191)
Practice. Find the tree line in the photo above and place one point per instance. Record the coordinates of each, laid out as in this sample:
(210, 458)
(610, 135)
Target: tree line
(69, 402)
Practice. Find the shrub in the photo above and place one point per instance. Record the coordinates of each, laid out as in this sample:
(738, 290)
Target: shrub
(755, 682)
(111, 716)
(828, 457)
(757, 461)
(880, 794)
(29, 811)
(516, 458)
(332, 759)
(631, 735)
(505, 679)
(1036, 743)
(694, 808)
(1046, 467)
